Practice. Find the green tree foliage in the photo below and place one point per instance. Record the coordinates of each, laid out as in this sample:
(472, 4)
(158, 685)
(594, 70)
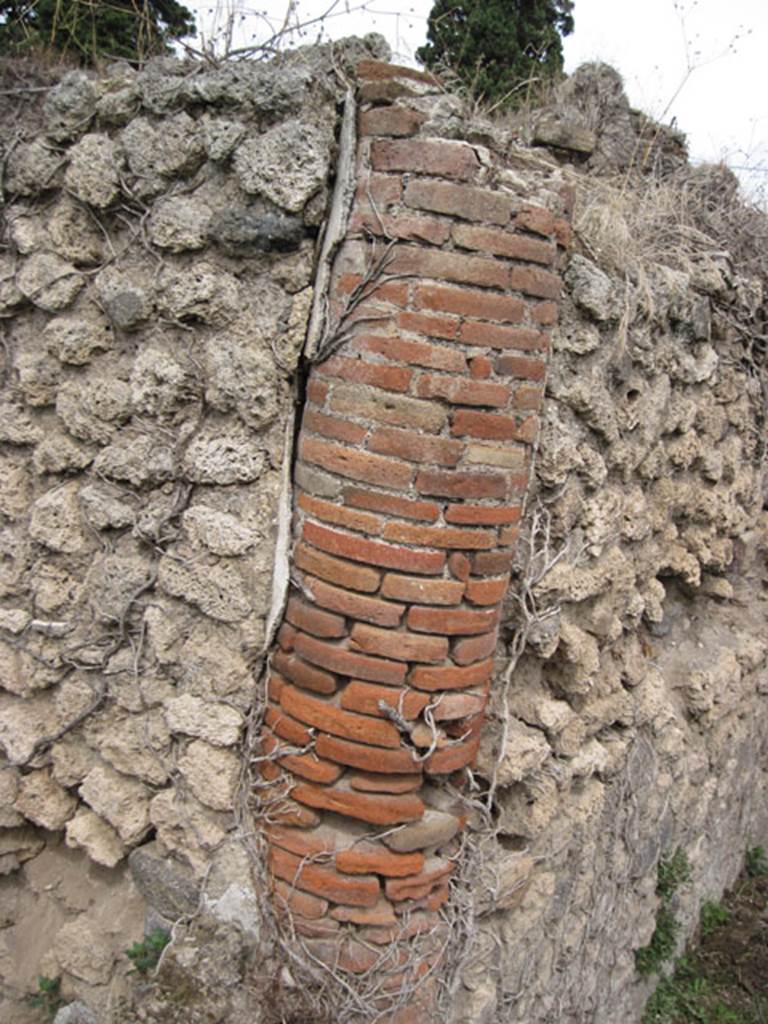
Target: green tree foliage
(495, 45)
(88, 30)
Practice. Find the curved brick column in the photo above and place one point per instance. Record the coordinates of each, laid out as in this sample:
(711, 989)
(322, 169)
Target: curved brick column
(413, 462)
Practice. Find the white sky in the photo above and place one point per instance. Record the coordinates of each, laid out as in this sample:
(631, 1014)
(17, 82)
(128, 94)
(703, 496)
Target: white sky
(702, 62)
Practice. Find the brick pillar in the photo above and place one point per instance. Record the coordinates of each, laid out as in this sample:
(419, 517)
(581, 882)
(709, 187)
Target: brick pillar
(415, 454)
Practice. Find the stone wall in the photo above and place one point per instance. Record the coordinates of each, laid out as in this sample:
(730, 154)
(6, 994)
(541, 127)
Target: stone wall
(156, 280)
(168, 246)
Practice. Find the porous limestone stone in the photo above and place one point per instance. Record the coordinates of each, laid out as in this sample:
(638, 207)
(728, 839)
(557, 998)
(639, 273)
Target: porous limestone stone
(42, 800)
(91, 409)
(211, 773)
(70, 105)
(219, 532)
(58, 453)
(76, 337)
(286, 164)
(89, 832)
(218, 457)
(32, 167)
(103, 508)
(179, 223)
(48, 281)
(140, 460)
(187, 827)
(217, 724)
(94, 170)
(38, 376)
(18, 845)
(200, 293)
(126, 295)
(56, 521)
(217, 590)
(160, 381)
(122, 801)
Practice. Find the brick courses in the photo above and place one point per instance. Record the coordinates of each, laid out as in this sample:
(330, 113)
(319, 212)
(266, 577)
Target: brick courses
(414, 456)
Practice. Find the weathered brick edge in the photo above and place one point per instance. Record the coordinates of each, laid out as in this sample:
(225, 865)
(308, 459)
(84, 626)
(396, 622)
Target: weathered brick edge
(414, 458)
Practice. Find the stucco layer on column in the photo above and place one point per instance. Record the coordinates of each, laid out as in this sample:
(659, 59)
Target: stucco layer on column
(414, 457)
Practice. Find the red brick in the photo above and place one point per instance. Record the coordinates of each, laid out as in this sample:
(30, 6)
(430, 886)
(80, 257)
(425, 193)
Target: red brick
(520, 367)
(466, 652)
(374, 552)
(451, 677)
(355, 464)
(398, 646)
(491, 563)
(390, 378)
(347, 956)
(416, 447)
(563, 233)
(379, 809)
(455, 707)
(285, 636)
(364, 522)
(371, 782)
(328, 717)
(294, 815)
(417, 353)
(509, 536)
(349, 663)
(440, 536)
(480, 368)
(459, 201)
(306, 676)
(326, 882)
(306, 765)
(418, 886)
(300, 842)
(313, 620)
(380, 915)
(382, 70)
(489, 426)
(512, 457)
(529, 398)
(461, 391)
(536, 219)
(487, 515)
(452, 621)
(366, 698)
(390, 504)
(354, 577)
(327, 928)
(469, 302)
(311, 907)
(486, 592)
(452, 758)
(366, 758)
(429, 325)
(317, 391)
(369, 609)
(418, 923)
(386, 292)
(332, 427)
(459, 566)
(286, 727)
(533, 281)
(425, 156)
(367, 858)
(544, 313)
(460, 485)
(420, 591)
(274, 685)
(523, 339)
(386, 407)
(410, 227)
(390, 121)
(453, 266)
(503, 243)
